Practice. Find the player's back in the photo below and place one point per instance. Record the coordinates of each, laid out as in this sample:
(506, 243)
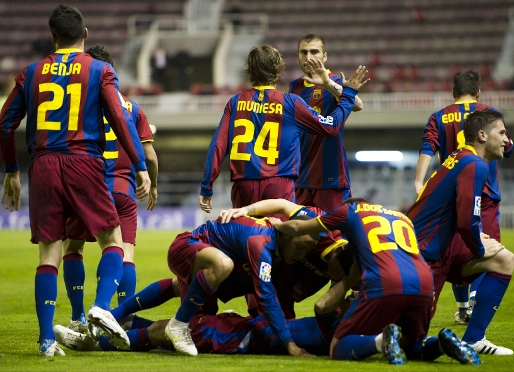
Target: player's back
(435, 212)
(237, 236)
(62, 97)
(384, 242)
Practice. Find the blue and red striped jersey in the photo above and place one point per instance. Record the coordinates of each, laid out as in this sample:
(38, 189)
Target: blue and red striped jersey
(120, 174)
(260, 131)
(450, 202)
(444, 133)
(63, 96)
(385, 246)
(253, 242)
(323, 162)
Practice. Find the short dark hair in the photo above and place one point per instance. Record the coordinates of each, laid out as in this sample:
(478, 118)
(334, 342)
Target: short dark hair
(304, 217)
(99, 52)
(311, 37)
(479, 120)
(466, 83)
(264, 65)
(354, 200)
(67, 24)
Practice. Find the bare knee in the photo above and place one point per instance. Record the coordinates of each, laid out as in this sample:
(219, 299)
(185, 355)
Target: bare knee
(223, 269)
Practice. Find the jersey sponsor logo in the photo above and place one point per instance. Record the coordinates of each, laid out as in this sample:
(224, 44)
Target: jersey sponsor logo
(316, 93)
(478, 203)
(61, 69)
(260, 108)
(265, 272)
(329, 120)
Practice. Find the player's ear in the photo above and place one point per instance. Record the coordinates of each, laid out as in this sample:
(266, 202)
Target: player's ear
(85, 32)
(482, 136)
(325, 56)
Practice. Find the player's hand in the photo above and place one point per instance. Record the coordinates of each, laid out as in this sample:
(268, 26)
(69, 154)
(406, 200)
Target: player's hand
(275, 221)
(319, 74)
(492, 246)
(205, 203)
(297, 351)
(418, 186)
(152, 198)
(357, 80)
(12, 191)
(143, 185)
(226, 215)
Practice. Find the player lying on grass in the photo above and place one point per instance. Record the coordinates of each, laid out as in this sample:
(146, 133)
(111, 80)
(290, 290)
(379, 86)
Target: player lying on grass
(393, 276)
(225, 333)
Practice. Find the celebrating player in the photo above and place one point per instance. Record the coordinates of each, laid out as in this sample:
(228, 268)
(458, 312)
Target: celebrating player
(260, 130)
(65, 96)
(323, 180)
(450, 203)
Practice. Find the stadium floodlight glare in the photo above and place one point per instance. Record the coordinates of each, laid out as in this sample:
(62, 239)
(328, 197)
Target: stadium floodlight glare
(370, 156)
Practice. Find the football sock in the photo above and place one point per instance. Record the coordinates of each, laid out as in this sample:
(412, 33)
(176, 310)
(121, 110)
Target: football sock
(306, 334)
(473, 289)
(105, 344)
(198, 292)
(127, 285)
(46, 296)
(461, 293)
(424, 349)
(109, 272)
(355, 347)
(139, 322)
(74, 276)
(151, 296)
(139, 340)
(489, 296)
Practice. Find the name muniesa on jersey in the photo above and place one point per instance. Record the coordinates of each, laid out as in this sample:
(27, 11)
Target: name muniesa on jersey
(450, 202)
(385, 246)
(260, 131)
(252, 241)
(63, 96)
(444, 133)
(323, 162)
(120, 174)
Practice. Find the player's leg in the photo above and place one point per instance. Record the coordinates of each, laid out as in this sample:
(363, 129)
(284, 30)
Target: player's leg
(74, 277)
(461, 294)
(489, 296)
(127, 213)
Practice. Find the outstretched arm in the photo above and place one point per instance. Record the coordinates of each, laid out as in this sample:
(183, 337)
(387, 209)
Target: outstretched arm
(261, 208)
(299, 227)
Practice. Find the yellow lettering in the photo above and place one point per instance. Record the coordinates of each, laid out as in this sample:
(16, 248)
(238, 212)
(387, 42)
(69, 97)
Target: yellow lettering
(62, 69)
(76, 68)
(241, 105)
(46, 68)
(129, 106)
(54, 68)
(265, 108)
(271, 108)
(466, 115)
(279, 109)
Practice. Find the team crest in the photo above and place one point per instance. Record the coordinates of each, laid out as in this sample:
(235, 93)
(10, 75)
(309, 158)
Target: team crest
(478, 206)
(265, 272)
(316, 93)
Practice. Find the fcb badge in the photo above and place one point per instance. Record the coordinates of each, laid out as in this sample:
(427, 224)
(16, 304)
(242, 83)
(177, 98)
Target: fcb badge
(316, 93)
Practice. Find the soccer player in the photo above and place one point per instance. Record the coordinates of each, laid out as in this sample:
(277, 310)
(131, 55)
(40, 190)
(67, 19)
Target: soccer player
(393, 276)
(260, 131)
(323, 179)
(121, 180)
(444, 134)
(450, 203)
(64, 96)
(204, 258)
(302, 279)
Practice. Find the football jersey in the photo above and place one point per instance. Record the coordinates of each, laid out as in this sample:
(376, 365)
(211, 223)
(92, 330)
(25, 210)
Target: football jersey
(450, 202)
(120, 174)
(323, 162)
(63, 96)
(250, 241)
(385, 246)
(444, 133)
(260, 132)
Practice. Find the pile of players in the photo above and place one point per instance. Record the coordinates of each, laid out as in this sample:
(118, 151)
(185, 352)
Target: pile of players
(287, 162)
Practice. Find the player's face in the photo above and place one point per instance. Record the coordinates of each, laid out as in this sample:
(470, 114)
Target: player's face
(496, 141)
(298, 248)
(312, 49)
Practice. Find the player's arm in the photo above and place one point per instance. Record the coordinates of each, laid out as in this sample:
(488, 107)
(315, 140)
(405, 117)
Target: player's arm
(299, 227)
(330, 300)
(429, 146)
(261, 208)
(12, 113)
(153, 167)
(217, 151)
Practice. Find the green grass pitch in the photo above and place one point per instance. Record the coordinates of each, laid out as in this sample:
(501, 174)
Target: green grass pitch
(19, 330)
